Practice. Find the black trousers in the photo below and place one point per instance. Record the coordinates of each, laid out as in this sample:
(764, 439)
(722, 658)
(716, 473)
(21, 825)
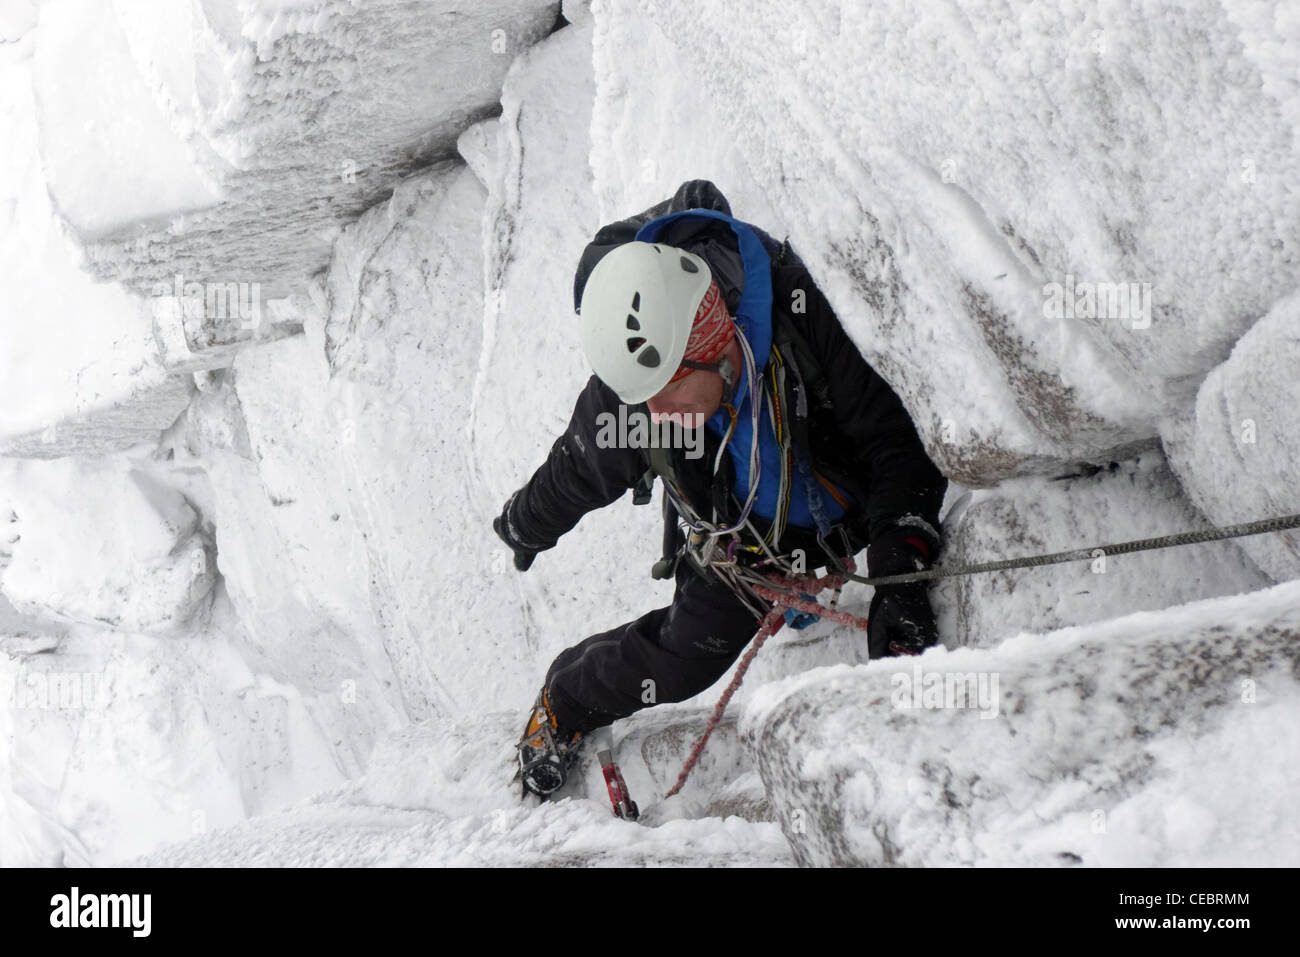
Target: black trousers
(672, 653)
(669, 654)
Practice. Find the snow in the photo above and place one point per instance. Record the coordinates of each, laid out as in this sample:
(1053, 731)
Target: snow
(151, 175)
(341, 678)
(1100, 752)
(937, 185)
(79, 370)
(1034, 516)
(443, 797)
(1237, 450)
(72, 562)
(226, 121)
(16, 20)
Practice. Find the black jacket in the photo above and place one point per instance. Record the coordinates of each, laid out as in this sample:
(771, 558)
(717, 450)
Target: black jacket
(864, 441)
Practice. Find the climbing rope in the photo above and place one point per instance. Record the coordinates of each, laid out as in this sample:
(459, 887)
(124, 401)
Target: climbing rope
(785, 592)
(1097, 551)
(772, 623)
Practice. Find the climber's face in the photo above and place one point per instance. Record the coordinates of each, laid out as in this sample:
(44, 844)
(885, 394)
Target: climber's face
(697, 394)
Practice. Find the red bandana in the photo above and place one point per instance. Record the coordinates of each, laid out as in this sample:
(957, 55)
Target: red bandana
(712, 332)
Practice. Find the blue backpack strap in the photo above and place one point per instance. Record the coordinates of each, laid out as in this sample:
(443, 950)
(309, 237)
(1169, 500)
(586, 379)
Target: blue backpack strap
(754, 311)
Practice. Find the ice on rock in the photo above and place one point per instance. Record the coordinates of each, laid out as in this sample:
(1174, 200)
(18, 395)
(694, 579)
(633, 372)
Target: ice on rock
(233, 140)
(1237, 450)
(79, 368)
(983, 198)
(477, 146)
(1139, 498)
(402, 341)
(940, 187)
(102, 543)
(1083, 746)
(540, 213)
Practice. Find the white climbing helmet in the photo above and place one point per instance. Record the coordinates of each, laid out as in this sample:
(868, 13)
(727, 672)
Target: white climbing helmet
(637, 312)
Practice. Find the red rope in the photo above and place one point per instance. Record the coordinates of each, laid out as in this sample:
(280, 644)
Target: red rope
(772, 623)
(821, 611)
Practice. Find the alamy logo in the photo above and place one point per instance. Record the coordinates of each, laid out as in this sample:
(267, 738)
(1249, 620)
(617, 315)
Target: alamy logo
(102, 910)
(1129, 301)
(54, 690)
(938, 690)
(213, 300)
(635, 429)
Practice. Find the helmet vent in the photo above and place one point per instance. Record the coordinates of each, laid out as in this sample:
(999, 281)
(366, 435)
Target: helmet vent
(635, 343)
(688, 266)
(649, 358)
(633, 324)
(636, 301)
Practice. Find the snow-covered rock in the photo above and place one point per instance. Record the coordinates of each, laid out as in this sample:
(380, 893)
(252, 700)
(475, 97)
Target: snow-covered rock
(149, 405)
(950, 187)
(1237, 450)
(101, 542)
(1139, 498)
(21, 633)
(1156, 739)
(117, 744)
(234, 140)
(390, 351)
(80, 372)
(540, 214)
(442, 796)
(293, 569)
(335, 470)
(477, 146)
(257, 704)
(402, 342)
(576, 11)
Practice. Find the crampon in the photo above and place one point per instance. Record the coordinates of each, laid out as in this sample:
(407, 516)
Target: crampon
(546, 753)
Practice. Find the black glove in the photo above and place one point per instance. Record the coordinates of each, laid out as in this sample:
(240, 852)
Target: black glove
(507, 532)
(908, 546)
(900, 620)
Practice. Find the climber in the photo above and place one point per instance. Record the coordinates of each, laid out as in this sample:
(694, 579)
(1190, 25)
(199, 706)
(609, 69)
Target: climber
(690, 315)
